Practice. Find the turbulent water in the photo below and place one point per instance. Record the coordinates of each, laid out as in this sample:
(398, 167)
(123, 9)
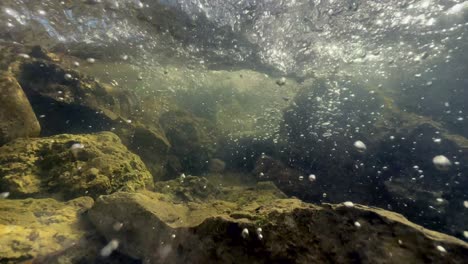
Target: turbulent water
(354, 101)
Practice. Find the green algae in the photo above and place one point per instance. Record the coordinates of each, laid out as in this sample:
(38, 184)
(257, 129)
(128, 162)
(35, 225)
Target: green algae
(36, 227)
(70, 166)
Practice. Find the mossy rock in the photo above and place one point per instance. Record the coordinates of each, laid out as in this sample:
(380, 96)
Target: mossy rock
(33, 228)
(69, 166)
(157, 228)
(17, 118)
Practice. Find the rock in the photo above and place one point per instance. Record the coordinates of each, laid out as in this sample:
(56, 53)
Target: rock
(156, 228)
(413, 192)
(70, 166)
(82, 104)
(216, 166)
(270, 169)
(191, 140)
(150, 144)
(242, 152)
(45, 83)
(11, 52)
(318, 135)
(17, 118)
(187, 188)
(33, 228)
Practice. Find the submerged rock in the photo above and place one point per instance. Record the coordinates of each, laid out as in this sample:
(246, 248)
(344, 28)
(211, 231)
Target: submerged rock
(320, 135)
(187, 188)
(270, 169)
(191, 138)
(69, 101)
(216, 166)
(258, 225)
(17, 118)
(33, 228)
(70, 166)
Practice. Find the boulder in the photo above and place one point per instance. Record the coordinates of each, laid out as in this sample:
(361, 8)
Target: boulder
(34, 228)
(259, 225)
(69, 166)
(17, 118)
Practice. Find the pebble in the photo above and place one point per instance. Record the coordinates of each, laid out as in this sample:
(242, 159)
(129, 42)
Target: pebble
(281, 81)
(245, 233)
(24, 56)
(117, 226)
(68, 77)
(441, 162)
(441, 249)
(465, 203)
(109, 248)
(76, 146)
(348, 204)
(4, 195)
(360, 146)
(91, 60)
(301, 178)
(357, 224)
(312, 177)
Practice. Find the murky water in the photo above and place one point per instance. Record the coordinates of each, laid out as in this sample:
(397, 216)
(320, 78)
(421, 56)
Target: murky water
(182, 131)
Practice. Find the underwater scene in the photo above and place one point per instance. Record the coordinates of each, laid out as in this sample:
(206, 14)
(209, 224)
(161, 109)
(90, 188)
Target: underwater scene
(233, 131)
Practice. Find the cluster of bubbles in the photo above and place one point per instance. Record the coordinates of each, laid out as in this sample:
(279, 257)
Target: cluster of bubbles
(245, 233)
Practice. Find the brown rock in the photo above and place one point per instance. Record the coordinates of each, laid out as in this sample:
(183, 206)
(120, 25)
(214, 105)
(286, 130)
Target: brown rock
(17, 118)
(223, 228)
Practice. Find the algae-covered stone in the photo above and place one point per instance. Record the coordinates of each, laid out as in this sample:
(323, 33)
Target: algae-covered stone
(259, 225)
(37, 227)
(70, 166)
(17, 118)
